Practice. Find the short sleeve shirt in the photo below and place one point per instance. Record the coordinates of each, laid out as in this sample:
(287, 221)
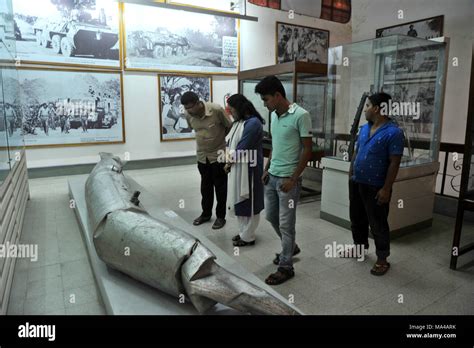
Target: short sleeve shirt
(210, 131)
(373, 153)
(287, 131)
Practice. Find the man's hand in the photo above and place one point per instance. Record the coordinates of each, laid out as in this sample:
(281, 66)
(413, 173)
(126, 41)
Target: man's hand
(264, 176)
(383, 196)
(288, 185)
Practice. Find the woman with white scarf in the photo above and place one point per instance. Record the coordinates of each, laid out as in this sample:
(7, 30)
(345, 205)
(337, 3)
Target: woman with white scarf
(245, 165)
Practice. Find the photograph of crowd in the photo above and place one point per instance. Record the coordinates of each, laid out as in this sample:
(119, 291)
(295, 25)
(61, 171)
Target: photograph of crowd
(295, 42)
(52, 111)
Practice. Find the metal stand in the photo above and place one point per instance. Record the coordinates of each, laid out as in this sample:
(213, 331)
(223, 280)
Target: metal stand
(466, 198)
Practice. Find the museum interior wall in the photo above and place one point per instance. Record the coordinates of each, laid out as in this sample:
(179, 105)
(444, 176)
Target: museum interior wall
(367, 15)
(140, 91)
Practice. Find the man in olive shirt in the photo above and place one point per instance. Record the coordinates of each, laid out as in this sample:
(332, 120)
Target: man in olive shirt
(291, 150)
(211, 126)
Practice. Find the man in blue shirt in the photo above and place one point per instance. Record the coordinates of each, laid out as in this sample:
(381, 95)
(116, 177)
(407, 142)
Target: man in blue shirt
(377, 157)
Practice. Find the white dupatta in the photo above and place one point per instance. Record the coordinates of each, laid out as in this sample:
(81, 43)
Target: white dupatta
(238, 184)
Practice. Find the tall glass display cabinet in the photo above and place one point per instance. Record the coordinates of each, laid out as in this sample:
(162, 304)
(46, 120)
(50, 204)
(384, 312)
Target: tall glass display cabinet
(305, 84)
(412, 71)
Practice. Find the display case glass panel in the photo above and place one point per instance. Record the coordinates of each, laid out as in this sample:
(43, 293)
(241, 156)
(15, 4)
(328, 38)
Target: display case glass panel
(11, 139)
(310, 89)
(411, 70)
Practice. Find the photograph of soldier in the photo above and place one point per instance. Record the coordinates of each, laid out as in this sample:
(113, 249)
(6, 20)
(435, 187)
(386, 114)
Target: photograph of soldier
(68, 31)
(173, 120)
(300, 43)
(58, 112)
(426, 29)
(10, 117)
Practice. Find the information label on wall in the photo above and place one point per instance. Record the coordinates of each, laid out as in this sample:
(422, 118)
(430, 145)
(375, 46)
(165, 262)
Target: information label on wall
(229, 51)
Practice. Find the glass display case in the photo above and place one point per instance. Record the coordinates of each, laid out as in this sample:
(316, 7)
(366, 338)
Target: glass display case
(11, 139)
(410, 69)
(304, 83)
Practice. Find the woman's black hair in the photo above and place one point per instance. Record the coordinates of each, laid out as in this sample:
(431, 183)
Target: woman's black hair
(244, 107)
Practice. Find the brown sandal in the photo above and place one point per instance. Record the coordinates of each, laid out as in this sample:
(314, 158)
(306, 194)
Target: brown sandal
(280, 276)
(379, 270)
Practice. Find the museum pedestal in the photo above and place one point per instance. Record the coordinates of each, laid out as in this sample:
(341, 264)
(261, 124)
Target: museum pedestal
(411, 206)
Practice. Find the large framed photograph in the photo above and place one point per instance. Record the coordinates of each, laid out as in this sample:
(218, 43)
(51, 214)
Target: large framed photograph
(424, 29)
(69, 107)
(160, 39)
(173, 123)
(422, 94)
(68, 32)
(296, 42)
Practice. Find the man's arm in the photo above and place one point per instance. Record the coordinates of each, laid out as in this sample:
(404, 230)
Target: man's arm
(224, 120)
(351, 168)
(305, 157)
(383, 196)
(267, 166)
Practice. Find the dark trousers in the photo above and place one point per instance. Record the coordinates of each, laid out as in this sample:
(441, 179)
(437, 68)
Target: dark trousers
(213, 178)
(364, 212)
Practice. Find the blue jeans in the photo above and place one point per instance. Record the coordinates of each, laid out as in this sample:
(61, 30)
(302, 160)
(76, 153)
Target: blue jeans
(280, 208)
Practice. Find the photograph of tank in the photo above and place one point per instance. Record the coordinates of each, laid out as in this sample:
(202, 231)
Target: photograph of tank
(169, 40)
(54, 111)
(424, 29)
(172, 114)
(69, 32)
(295, 42)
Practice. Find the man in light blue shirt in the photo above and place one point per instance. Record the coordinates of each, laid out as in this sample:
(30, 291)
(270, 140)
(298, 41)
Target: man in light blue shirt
(291, 151)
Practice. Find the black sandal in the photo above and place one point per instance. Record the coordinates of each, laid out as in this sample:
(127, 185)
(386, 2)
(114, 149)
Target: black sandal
(236, 238)
(280, 276)
(380, 270)
(276, 260)
(242, 243)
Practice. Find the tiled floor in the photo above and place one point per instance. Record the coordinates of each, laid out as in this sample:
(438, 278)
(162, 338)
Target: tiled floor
(419, 282)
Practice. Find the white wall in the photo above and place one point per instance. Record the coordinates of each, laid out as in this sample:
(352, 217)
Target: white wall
(142, 127)
(369, 15)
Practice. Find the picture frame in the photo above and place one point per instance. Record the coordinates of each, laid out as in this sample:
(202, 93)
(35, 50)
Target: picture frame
(86, 35)
(173, 123)
(309, 45)
(56, 113)
(181, 47)
(427, 28)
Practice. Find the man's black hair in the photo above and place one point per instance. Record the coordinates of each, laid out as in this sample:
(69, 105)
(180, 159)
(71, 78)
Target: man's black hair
(189, 98)
(378, 99)
(270, 85)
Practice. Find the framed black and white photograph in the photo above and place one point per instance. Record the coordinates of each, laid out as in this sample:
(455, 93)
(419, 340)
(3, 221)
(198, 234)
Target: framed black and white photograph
(428, 28)
(173, 123)
(8, 31)
(312, 97)
(419, 124)
(410, 61)
(159, 39)
(68, 32)
(295, 42)
(68, 107)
